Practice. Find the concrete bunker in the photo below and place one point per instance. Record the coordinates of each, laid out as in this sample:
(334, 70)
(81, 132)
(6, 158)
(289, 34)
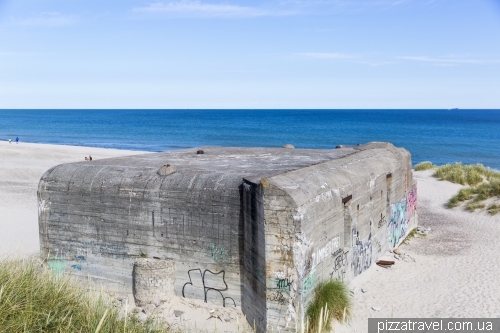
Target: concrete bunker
(255, 228)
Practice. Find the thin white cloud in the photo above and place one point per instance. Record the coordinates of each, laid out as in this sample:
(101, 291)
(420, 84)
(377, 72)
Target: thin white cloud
(382, 63)
(328, 55)
(400, 2)
(51, 19)
(197, 8)
(449, 61)
(357, 4)
(367, 60)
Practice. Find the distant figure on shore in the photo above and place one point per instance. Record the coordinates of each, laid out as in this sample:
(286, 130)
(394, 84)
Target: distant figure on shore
(17, 139)
(90, 158)
(86, 158)
(10, 140)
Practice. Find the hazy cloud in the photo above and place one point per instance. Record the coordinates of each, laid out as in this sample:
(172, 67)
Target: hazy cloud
(282, 8)
(367, 59)
(400, 2)
(328, 55)
(197, 8)
(450, 60)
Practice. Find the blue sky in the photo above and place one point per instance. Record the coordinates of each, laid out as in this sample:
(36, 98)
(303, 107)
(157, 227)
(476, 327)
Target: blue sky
(250, 54)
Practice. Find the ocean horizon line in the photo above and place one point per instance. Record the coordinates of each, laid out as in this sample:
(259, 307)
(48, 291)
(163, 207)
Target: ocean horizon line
(437, 135)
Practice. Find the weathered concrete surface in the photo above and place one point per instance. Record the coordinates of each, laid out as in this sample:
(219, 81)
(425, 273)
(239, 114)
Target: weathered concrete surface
(153, 281)
(256, 227)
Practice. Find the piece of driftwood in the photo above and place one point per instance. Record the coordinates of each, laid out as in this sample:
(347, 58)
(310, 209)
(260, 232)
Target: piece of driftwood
(385, 262)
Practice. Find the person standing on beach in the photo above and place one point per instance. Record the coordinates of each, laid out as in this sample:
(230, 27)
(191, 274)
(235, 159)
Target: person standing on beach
(10, 140)
(17, 139)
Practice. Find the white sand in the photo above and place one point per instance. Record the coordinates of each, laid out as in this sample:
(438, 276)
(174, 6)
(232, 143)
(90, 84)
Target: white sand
(456, 272)
(21, 167)
(457, 268)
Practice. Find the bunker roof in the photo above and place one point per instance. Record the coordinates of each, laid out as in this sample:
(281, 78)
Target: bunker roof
(249, 162)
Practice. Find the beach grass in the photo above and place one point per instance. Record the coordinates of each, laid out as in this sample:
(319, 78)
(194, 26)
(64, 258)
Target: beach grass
(425, 166)
(35, 299)
(493, 209)
(482, 184)
(331, 301)
(468, 174)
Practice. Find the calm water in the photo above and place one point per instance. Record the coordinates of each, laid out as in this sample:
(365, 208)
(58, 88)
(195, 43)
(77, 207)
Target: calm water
(441, 136)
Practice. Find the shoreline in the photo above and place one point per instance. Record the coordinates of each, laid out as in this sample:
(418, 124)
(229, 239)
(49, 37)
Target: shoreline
(29, 143)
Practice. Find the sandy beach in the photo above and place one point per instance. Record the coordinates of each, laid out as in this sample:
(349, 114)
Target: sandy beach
(21, 167)
(453, 272)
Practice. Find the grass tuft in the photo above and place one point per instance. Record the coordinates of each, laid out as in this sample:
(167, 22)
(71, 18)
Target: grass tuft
(451, 172)
(493, 209)
(484, 184)
(333, 296)
(34, 299)
(424, 166)
(472, 206)
(473, 177)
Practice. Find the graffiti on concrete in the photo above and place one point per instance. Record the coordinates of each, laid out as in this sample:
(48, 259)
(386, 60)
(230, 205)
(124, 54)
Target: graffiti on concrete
(308, 283)
(411, 206)
(97, 249)
(57, 265)
(361, 254)
(398, 224)
(80, 260)
(284, 284)
(218, 254)
(275, 295)
(212, 281)
(320, 254)
(339, 264)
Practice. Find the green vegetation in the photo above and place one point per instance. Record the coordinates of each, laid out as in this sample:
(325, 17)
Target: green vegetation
(493, 209)
(474, 196)
(484, 183)
(470, 174)
(464, 194)
(412, 234)
(424, 166)
(34, 299)
(472, 206)
(331, 301)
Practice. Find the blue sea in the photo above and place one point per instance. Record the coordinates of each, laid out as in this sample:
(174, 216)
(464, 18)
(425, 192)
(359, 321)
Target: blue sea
(439, 136)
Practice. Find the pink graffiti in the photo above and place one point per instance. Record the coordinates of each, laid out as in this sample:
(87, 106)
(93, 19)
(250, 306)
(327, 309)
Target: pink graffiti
(411, 207)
